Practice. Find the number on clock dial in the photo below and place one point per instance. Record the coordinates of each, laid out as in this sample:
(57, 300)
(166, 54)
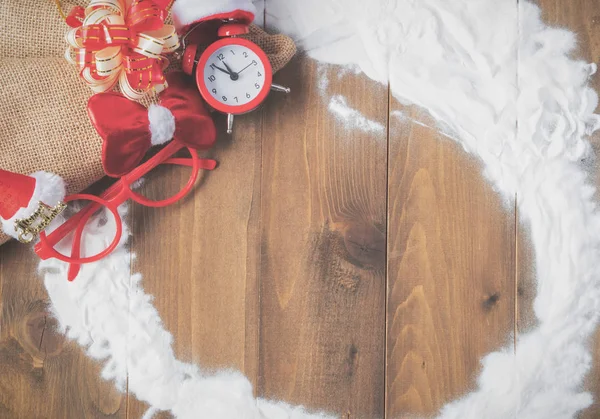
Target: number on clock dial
(241, 61)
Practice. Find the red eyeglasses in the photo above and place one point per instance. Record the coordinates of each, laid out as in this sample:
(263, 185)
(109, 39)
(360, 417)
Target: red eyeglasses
(111, 199)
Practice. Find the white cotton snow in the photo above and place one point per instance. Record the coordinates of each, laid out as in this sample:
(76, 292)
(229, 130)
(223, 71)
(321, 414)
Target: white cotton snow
(521, 105)
(106, 311)
(524, 108)
(403, 117)
(352, 118)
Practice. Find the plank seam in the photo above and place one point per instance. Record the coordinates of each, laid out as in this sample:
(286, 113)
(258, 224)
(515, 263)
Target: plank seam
(258, 302)
(387, 223)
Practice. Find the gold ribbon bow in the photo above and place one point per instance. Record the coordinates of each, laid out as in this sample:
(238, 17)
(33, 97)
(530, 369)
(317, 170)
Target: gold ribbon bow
(113, 43)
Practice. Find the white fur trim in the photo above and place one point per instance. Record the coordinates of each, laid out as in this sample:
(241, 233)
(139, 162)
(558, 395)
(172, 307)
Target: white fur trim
(186, 12)
(49, 188)
(162, 124)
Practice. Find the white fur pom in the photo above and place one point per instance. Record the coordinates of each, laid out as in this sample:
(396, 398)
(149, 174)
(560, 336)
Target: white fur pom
(186, 12)
(49, 188)
(162, 124)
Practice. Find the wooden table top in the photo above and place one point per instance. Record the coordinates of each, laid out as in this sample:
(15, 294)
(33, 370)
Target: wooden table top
(363, 273)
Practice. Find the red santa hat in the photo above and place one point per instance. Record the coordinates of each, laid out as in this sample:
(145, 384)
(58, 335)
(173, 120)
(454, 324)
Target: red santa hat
(189, 12)
(20, 196)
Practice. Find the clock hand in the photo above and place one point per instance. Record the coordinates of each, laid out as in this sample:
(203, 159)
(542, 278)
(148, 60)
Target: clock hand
(231, 72)
(221, 69)
(240, 72)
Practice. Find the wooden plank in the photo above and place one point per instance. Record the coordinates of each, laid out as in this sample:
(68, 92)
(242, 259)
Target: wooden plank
(451, 268)
(323, 232)
(42, 375)
(210, 244)
(199, 257)
(582, 17)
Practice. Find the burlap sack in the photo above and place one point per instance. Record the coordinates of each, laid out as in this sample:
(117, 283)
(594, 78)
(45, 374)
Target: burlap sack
(43, 117)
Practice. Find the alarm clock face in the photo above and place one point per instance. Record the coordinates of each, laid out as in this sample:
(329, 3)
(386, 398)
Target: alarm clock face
(234, 75)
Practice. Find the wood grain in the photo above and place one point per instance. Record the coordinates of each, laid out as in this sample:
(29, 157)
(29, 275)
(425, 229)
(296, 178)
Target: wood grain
(451, 269)
(323, 229)
(199, 257)
(42, 375)
(289, 258)
(208, 295)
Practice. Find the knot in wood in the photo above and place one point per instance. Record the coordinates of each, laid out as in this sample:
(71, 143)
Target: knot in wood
(366, 244)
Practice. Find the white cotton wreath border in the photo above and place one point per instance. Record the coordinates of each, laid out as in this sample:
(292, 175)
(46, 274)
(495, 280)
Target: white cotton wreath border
(107, 311)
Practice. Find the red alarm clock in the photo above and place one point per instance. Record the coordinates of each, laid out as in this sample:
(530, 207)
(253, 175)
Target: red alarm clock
(233, 74)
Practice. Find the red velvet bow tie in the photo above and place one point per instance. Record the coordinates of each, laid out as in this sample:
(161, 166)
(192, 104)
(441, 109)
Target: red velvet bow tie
(129, 129)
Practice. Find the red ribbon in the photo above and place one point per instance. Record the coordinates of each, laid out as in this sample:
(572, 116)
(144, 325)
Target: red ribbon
(124, 125)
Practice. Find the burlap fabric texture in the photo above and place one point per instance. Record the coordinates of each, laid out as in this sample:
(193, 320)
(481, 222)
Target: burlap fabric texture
(43, 117)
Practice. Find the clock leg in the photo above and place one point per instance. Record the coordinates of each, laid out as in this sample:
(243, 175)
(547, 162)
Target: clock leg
(230, 123)
(278, 88)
